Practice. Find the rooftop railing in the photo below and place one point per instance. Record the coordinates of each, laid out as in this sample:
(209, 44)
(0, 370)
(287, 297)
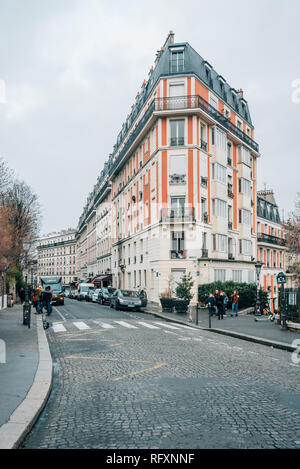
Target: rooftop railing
(266, 238)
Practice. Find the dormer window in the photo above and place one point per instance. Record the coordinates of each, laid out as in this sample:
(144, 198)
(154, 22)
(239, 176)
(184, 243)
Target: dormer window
(177, 60)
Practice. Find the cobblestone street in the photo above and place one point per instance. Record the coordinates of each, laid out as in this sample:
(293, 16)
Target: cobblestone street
(129, 380)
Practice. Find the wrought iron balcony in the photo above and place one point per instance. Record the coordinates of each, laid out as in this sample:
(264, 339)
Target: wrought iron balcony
(203, 144)
(266, 238)
(204, 253)
(175, 254)
(176, 141)
(177, 179)
(230, 225)
(182, 214)
(230, 256)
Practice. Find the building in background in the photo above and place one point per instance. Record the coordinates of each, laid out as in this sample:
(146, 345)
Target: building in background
(178, 193)
(271, 243)
(57, 255)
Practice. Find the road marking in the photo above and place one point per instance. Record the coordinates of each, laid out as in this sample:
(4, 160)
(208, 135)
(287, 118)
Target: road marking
(125, 324)
(63, 318)
(187, 327)
(184, 338)
(133, 373)
(166, 325)
(196, 338)
(148, 325)
(104, 325)
(58, 327)
(169, 332)
(81, 325)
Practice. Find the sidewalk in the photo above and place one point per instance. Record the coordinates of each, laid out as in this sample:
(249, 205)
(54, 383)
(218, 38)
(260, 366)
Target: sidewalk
(243, 327)
(25, 378)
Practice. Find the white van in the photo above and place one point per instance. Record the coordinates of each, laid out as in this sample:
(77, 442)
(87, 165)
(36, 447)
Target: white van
(83, 289)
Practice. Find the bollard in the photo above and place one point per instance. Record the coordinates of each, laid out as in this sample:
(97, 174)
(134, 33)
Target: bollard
(197, 312)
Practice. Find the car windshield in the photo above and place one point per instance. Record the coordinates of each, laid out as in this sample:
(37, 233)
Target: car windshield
(55, 287)
(84, 289)
(97, 290)
(129, 293)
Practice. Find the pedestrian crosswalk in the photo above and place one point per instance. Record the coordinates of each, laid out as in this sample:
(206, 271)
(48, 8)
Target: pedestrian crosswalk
(69, 326)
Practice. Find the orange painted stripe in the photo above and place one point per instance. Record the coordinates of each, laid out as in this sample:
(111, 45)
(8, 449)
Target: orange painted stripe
(234, 156)
(164, 131)
(272, 292)
(201, 90)
(244, 128)
(126, 221)
(271, 259)
(252, 133)
(265, 283)
(277, 259)
(131, 220)
(190, 178)
(190, 130)
(262, 228)
(221, 107)
(137, 161)
(165, 93)
(208, 190)
(198, 131)
(233, 117)
(156, 130)
(164, 179)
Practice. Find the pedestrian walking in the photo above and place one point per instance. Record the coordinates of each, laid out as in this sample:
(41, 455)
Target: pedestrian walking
(226, 301)
(47, 297)
(211, 304)
(220, 304)
(22, 295)
(38, 293)
(235, 303)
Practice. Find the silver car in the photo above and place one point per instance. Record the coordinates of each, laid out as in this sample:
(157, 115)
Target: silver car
(126, 299)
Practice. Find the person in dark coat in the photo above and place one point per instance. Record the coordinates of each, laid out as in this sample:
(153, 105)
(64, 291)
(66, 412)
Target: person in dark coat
(211, 304)
(220, 304)
(22, 295)
(47, 297)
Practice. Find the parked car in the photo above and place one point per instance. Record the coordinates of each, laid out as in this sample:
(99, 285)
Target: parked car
(126, 299)
(95, 295)
(89, 295)
(83, 289)
(67, 293)
(105, 295)
(75, 294)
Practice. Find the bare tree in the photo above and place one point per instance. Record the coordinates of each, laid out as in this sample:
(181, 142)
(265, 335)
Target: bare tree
(24, 218)
(6, 175)
(292, 227)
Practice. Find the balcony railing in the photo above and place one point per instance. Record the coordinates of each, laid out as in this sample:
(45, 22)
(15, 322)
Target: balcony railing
(176, 103)
(183, 214)
(196, 101)
(266, 238)
(178, 254)
(177, 179)
(204, 253)
(230, 225)
(203, 144)
(176, 141)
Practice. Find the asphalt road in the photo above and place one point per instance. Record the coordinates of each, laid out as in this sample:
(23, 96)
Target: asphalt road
(130, 380)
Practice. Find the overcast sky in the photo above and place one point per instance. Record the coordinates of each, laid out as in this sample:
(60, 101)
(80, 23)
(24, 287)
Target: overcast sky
(70, 70)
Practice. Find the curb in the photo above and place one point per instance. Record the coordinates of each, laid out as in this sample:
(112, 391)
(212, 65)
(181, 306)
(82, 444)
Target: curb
(237, 335)
(25, 415)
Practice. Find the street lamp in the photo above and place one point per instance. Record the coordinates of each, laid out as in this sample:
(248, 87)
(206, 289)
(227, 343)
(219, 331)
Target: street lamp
(258, 267)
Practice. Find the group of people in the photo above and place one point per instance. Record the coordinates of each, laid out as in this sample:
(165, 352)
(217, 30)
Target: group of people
(40, 298)
(217, 303)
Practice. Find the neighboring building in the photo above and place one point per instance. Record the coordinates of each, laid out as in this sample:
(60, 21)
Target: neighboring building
(178, 193)
(57, 255)
(271, 243)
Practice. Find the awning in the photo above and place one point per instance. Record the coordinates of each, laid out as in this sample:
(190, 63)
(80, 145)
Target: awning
(98, 280)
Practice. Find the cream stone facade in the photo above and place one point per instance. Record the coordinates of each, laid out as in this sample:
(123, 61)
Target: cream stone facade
(57, 255)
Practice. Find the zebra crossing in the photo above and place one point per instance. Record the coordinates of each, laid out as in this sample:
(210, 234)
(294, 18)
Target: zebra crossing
(68, 326)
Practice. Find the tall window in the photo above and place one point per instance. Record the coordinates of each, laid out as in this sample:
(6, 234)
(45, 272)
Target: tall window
(177, 169)
(245, 186)
(177, 62)
(178, 241)
(177, 132)
(219, 173)
(245, 156)
(219, 208)
(245, 217)
(220, 243)
(219, 275)
(220, 139)
(245, 247)
(236, 275)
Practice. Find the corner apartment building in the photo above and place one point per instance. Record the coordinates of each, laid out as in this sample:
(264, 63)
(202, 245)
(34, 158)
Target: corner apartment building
(180, 186)
(271, 243)
(57, 255)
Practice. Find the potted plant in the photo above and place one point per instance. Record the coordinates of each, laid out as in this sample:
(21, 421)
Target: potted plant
(166, 299)
(183, 294)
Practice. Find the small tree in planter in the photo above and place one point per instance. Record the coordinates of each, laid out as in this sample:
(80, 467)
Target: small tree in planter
(166, 299)
(183, 293)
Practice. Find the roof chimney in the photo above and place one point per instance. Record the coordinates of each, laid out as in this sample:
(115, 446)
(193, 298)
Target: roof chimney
(170, 38)
(241, 93)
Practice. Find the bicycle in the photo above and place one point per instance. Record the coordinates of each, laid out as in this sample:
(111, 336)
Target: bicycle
(26, 314)
(271, 316)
